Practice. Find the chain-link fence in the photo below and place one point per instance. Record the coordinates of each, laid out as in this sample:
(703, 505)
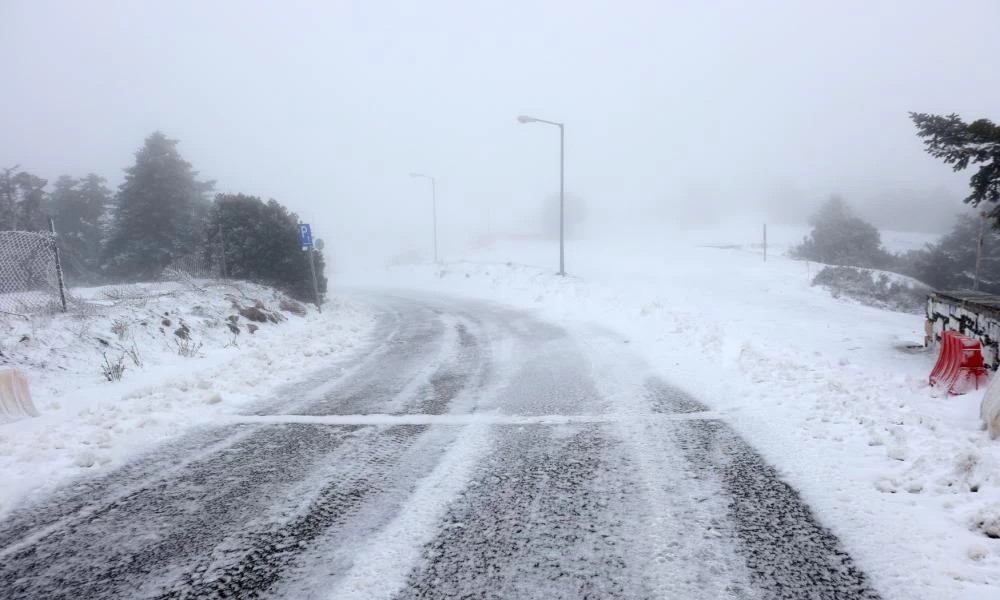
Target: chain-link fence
(200, 265)
(29, 274)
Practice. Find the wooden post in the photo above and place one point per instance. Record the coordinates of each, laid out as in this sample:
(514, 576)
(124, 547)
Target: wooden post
(765, 242)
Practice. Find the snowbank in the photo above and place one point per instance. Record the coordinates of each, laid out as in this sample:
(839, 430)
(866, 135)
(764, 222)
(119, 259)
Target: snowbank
(832, 392)
(192, 353)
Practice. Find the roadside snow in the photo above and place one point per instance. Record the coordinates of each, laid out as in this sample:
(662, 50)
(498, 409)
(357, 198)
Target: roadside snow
(833, 393)
(87, 423)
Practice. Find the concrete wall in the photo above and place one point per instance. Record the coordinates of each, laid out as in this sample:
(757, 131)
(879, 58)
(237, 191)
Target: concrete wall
(946, 314)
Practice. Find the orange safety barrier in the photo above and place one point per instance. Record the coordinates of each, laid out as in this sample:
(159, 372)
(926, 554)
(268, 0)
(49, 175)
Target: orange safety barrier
(960, 365)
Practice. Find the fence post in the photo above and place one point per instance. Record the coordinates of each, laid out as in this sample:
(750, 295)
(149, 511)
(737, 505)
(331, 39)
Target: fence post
(59, 271)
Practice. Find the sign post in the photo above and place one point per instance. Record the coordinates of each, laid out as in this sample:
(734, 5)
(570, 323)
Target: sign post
(306, 241)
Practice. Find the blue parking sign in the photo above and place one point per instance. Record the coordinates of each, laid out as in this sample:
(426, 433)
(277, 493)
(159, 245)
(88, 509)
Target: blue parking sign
(305, 236)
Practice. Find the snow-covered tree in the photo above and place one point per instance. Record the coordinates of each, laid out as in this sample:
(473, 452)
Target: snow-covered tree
(22, 201)
(159, 212)
(78, 207)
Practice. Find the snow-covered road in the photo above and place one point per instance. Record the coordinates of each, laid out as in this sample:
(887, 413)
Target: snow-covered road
(469, 451)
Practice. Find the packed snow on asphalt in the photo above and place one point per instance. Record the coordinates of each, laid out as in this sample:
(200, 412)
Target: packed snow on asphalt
(468, 450)
(698, 425)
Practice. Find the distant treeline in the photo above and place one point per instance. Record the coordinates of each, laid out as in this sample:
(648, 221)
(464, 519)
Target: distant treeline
(161, 217)
(839, 237)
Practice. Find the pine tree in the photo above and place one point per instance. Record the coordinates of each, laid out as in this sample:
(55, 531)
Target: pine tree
(78, 207)
(840, 238)
(160, 212)
(262, 244)
(950, 263)
(23, 201)
(8, 199)
(960, 144)
(32, 212)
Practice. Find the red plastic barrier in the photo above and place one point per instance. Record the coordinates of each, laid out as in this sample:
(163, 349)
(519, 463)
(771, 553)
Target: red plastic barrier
(960, 365)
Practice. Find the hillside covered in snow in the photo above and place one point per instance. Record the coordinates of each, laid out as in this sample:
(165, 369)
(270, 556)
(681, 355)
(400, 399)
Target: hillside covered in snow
(132, 365)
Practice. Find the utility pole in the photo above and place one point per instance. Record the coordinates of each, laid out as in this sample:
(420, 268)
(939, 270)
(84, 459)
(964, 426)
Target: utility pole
(765, 242)
(979, 251)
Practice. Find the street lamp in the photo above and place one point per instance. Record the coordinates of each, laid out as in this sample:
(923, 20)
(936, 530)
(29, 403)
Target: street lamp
(434, 210)
(562, 153)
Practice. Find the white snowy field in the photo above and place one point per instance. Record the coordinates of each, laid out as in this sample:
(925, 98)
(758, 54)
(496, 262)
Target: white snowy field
(87, 424)
(832, 392)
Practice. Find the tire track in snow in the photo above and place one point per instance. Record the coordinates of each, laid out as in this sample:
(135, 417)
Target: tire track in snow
(789, 554)
(543, 517)
(186, 514)
(32, 520)
(250, 562)
(380, 379)
(171, 521)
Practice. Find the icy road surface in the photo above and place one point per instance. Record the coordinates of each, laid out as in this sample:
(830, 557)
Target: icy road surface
(470, 451)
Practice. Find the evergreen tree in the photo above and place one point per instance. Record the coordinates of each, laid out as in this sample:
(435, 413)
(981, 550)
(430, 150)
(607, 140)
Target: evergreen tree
(262, 244)
(160, 212)
(32, 214)
(8, 199)
(960, 144)
(840, 238)
(950, 263)
(23, 201)
(78, 207)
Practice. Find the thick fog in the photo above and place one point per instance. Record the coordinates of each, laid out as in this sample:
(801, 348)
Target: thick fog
(676, 113)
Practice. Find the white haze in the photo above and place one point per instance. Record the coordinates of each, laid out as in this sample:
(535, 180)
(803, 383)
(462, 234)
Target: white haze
(677, 113)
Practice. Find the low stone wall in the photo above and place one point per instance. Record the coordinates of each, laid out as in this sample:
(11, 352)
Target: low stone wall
(973, 314)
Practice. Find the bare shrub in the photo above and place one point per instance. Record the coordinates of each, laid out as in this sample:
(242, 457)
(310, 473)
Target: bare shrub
(113, 370)
(187, 347)
(232, 343)
(133, 352)
(872, 289)
(119, 327)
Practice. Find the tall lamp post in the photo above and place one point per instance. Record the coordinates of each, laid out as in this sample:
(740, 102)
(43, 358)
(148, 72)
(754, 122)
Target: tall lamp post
(562, 213)
(434, 210)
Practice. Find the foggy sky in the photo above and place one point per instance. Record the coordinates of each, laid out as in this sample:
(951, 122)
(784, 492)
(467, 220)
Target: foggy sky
(683, 111)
